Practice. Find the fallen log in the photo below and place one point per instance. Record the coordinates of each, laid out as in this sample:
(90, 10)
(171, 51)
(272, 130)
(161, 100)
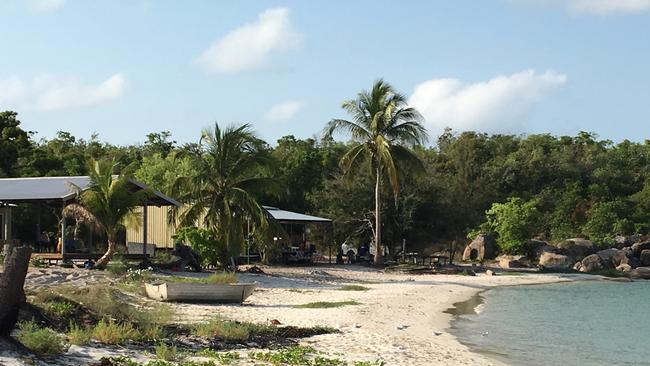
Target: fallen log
(12, 281)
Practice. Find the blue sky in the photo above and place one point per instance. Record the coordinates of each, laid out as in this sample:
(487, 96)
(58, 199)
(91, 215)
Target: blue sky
(127, 68)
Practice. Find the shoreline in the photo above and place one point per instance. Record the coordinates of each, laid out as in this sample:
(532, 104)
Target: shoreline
(401, 319)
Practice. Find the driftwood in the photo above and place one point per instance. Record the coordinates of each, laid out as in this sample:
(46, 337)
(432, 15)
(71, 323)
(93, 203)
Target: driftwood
(12, 281)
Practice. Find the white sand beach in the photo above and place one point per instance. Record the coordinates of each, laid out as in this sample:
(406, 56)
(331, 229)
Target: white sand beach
(401, 319)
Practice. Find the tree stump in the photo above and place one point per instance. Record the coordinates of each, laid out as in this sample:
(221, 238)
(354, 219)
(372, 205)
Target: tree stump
(12, 281)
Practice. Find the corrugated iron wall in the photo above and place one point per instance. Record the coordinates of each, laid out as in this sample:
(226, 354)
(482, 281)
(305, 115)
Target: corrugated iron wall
(159, 232)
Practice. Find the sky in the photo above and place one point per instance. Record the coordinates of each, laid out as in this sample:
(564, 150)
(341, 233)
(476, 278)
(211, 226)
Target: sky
(125, 68)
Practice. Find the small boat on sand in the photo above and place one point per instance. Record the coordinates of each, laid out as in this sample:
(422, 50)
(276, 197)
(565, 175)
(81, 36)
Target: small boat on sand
(200, 292)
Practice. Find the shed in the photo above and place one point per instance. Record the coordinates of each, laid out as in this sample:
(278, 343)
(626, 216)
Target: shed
(58, 192)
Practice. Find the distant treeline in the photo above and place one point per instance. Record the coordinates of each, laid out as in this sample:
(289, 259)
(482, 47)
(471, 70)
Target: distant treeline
(577, 186)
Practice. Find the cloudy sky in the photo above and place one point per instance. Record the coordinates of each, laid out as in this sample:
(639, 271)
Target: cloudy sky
(127, 68)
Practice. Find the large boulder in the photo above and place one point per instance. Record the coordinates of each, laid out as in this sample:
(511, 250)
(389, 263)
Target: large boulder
(640, 273)
(483, 247)
(623, 256)
(511, 261)
(637, 248)
(607, 256)
(555, 261)
(576, 248)
(645, 257)
(591, 263)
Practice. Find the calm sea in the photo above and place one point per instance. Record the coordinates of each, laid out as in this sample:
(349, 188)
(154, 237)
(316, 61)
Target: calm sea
(582, 323)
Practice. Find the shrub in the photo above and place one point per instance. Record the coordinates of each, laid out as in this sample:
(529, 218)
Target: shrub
(43, 341)
(226, 330)
(514, 221)
(59, 309)
(38, 263)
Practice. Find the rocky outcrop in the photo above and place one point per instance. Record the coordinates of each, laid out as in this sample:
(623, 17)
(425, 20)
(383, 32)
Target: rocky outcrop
(607, 256)
(555, 261)
(640, 273)
(591, 263)
(483, 247)
(644, 257)
(576, 248)
(637, 248)
(511, 261)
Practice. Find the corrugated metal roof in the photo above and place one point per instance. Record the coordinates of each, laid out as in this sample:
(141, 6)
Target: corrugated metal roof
(15, 190)
(289, 216)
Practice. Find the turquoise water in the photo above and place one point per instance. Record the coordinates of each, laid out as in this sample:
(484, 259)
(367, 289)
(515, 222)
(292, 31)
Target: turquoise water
(581, 323)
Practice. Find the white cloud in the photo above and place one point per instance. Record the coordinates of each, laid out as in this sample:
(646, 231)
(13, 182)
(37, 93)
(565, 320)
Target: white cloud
(251, 46)
(604, 7)
(46, 5)
(284, 111)
(497, 105)
(595, 7)
(47, 92)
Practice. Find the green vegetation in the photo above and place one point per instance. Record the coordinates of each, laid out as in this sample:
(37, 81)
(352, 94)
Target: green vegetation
(297, 355)
(224, 358)
(167, 353)
(515, 221)
(354, 288)
(78, 335)
(106, 204)
(382, 127)
(215, 278)
(230, 167)
(326, 304)
(43, 341)
(111, 332)
(227, 330)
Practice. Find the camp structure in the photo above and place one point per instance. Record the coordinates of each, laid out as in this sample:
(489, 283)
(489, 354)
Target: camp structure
(52, 194)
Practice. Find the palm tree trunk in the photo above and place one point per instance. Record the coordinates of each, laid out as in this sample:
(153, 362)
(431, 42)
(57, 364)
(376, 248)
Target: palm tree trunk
(103, 261)
(379, 253)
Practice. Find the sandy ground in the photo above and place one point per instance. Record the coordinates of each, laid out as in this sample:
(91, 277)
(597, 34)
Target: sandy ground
(400, 320)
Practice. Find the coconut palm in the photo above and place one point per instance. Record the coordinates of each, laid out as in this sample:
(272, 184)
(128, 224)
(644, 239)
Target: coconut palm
(219, 192)
(106, 204)
(383, 127)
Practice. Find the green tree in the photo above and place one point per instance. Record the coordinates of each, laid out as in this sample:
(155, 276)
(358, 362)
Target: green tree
(219, 193)
(515, 222)
(382, 128)
(15, 144)
(106, 205)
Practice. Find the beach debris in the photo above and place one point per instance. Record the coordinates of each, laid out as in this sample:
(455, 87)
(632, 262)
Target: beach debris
(437, 333)
(357, 326)
(489, 272)
(274, 322)
(255, 270)
(484, 334)
(401, 327)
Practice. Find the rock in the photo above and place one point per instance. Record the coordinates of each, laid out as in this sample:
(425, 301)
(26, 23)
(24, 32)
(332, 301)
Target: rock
(555, 261)
(489, 272)
(533, 247)
(621, 257)
(622, 241)
(577, 266)
(640, 273)
(545, 249)
(483, 247)
(624, 267)
(637, 248)
(592, 263)
(606, 256)
(576, 248)
(645, 257)
(511, 261)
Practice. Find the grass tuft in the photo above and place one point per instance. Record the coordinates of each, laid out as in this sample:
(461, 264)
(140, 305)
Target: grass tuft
(77, 335)
(167, 353)
(40, 340)
(326, 304)
(354, 288)
(110, 332)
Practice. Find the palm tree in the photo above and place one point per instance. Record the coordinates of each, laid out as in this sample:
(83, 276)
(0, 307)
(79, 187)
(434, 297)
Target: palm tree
(219, 192)
(106, 204)
(383, 126)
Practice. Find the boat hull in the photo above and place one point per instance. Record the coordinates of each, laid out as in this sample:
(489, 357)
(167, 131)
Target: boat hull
(200, 292)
